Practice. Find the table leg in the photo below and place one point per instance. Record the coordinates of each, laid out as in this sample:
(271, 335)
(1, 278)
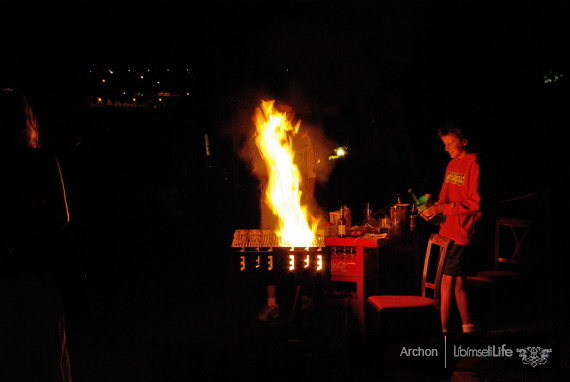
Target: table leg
(360, 291)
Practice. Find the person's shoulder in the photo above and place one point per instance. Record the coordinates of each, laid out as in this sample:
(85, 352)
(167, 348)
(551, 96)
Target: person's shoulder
(301, 139)
(471, 157)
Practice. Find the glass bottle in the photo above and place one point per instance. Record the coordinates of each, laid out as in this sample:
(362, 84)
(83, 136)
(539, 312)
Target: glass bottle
(423, 203)
(341, 224)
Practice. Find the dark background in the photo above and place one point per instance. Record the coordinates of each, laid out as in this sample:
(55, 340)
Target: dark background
(377, 78)
(152, 217)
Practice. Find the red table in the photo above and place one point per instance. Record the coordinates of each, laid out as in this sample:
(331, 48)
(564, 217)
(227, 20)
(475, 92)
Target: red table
(360, 270)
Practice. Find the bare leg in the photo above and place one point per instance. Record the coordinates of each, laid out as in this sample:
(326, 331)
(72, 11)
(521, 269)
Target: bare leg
(462, 300)
(271, 292)
(445, 304)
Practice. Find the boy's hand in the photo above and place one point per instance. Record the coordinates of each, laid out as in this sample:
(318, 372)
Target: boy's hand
(433, 211)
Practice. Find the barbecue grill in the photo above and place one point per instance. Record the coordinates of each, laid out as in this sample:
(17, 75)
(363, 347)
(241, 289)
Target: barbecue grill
(262, 251)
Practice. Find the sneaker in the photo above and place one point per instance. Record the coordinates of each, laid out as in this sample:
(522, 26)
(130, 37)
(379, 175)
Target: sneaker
(268, 312)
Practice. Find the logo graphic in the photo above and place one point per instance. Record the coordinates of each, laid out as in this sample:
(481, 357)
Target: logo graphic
(534, 355)
(455, 178)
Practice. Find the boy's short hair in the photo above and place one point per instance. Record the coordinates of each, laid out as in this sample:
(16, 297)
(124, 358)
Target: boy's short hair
(452, 129)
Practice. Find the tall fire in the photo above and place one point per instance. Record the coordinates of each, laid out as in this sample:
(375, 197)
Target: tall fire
(274, 139)
(292, 244)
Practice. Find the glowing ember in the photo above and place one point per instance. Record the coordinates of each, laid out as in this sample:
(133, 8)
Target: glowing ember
(274, 139)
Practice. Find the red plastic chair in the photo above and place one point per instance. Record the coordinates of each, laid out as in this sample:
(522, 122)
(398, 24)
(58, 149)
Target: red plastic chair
(394, 320)
(430, 281)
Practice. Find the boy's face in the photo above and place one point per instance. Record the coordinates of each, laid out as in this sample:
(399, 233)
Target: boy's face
(454, 146)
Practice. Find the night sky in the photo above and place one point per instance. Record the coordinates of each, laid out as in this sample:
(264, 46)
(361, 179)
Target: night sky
(377, 78)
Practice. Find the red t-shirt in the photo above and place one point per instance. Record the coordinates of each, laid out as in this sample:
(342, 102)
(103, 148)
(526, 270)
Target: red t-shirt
(460, 199)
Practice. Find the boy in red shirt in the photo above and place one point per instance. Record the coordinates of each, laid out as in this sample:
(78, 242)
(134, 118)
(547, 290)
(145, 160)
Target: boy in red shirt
(459, 203)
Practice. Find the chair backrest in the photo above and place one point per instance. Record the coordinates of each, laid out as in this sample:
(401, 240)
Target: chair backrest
(436, 254)
(511, 241)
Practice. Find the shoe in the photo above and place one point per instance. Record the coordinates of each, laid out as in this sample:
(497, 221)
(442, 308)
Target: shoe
(268, 312)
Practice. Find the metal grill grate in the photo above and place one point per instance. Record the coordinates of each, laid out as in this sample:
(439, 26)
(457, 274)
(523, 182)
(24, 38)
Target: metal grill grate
(261, 238)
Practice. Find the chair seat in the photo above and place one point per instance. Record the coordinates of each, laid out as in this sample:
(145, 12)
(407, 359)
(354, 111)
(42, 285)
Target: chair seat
(498, 274)
(399, 302)
(491, 276)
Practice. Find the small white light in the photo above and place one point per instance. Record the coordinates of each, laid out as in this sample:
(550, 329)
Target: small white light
(340, 151)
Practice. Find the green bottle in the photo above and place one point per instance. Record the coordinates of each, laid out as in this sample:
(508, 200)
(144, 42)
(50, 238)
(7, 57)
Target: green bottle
(423, 203)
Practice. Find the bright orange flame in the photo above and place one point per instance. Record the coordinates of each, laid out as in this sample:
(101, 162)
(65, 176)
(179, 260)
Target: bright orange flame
(274, 139)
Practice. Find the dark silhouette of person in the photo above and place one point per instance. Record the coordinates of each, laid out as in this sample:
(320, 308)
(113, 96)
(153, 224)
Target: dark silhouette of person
(33, 212)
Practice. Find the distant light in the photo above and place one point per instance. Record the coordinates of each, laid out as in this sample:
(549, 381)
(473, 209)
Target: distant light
(158, 82)
(110, 71)
(99, 100)
(134, 100)
(168, 70)
(124, 93)
(142, 77)
(187, 93)
(160, 100)
(552, 77)
(103, 80)
(148, 70)
(128, 70)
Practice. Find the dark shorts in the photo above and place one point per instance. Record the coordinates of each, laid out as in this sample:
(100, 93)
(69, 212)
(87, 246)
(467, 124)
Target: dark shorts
(459, 261)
